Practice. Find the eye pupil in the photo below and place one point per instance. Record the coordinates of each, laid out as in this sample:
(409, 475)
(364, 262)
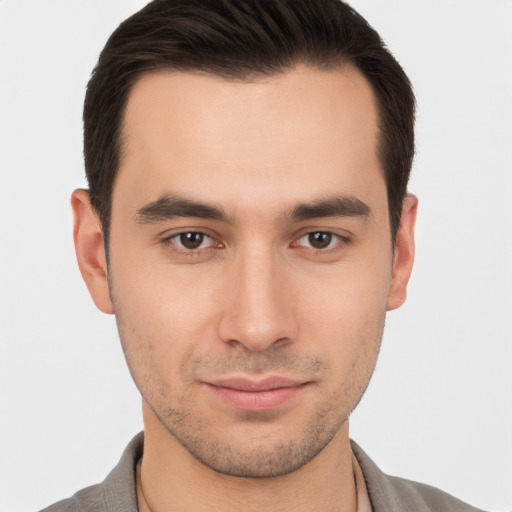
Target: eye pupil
(191, 240)
(320, 239)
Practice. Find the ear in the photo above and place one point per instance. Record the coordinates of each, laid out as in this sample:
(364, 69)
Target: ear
(403, 258)
(90, 250)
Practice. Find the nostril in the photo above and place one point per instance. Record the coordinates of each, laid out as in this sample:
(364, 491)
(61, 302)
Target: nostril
(281, 341)
(258, 345)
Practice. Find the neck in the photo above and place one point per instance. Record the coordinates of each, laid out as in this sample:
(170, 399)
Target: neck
(170, 478)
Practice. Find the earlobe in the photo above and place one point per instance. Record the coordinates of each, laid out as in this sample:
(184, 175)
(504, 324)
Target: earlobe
(404, 253)
(90, 250)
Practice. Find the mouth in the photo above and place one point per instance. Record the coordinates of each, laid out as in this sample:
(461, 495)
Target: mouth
(256, 395)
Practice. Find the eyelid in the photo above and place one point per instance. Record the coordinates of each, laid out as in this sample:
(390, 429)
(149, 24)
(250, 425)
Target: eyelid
(340, 241)
(167, 238)
(172, 232)
(205, 236)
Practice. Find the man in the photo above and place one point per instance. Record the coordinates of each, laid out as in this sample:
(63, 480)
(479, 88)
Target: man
(248, 223)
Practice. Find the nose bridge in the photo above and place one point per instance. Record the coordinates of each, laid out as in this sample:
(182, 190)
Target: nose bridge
(257, 314)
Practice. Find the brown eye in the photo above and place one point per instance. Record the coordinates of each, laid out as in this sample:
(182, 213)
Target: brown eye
(191, 240)
(319, 239)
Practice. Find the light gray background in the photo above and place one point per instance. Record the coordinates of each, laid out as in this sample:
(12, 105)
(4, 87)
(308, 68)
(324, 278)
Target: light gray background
(439, 408)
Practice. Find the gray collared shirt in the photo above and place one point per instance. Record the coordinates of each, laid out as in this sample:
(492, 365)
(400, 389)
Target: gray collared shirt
(117, 493)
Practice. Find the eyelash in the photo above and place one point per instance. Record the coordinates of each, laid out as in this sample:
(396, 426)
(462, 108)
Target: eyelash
(340, 242)
(191, 252)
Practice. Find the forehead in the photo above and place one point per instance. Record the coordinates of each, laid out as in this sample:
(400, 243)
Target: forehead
(298, 131)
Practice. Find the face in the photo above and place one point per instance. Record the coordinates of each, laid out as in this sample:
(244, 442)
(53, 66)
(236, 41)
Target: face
(251, 262)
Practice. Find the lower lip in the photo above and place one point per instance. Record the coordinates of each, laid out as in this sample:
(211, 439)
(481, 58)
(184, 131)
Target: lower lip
(264, 400)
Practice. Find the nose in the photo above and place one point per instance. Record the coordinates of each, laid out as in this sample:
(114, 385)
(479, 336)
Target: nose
(259, 310)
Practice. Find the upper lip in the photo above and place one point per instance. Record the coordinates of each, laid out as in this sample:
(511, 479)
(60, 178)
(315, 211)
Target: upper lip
(245, 384)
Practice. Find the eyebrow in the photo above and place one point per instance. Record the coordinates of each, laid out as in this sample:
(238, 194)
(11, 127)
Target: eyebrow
(168, 207)
(335, 206)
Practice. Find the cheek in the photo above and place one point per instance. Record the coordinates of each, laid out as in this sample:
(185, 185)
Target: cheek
(164, 318)
(350, 333)
(351, 341)
(345, 316)
(350, 298)
(164, 297)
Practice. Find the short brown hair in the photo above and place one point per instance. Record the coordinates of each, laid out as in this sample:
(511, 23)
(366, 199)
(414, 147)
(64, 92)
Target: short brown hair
(243, 40)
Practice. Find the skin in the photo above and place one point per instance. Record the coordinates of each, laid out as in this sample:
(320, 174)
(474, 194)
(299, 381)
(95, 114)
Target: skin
(256, 300)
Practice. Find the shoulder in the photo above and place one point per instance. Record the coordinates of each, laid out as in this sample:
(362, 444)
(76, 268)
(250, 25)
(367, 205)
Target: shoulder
(415, 494)
(85, 500)
(115, 494)
(401, 495)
